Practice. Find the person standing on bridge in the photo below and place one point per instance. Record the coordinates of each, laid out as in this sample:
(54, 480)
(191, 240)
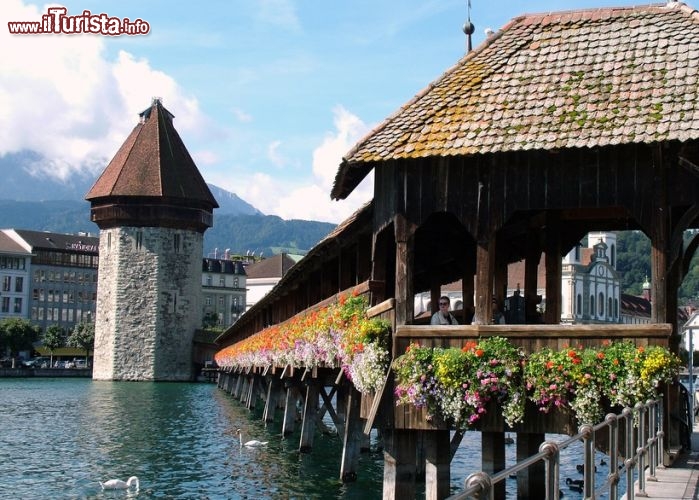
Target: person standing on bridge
(443, 316)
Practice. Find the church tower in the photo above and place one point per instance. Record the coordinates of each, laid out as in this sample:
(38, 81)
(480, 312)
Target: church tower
(152, 207)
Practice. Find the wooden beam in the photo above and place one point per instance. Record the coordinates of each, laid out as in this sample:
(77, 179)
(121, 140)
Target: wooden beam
(352, 438)
(308, 424)
(485, 267)
(437, 465)
(399, 464)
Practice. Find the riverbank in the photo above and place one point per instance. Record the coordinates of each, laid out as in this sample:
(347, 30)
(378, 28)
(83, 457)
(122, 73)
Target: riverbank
(46, 372)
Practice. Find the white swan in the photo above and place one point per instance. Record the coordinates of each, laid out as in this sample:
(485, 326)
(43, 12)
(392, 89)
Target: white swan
(118, 484)
(254, 443)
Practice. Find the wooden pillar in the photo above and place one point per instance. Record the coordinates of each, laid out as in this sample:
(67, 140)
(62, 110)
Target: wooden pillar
(467, 293)
(500, 276)
(289, 424)
(399, 464)
(660, 231)
(493, 458)
(437, 466)
(308, 424)
(552, 315)
(271, 403)
(485, 267)
(531, 284)
(353, 438)
(378, 266)
(405, 303)
(435, 294)
(531, 482)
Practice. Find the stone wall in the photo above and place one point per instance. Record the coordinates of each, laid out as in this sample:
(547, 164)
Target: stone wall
(148, 303)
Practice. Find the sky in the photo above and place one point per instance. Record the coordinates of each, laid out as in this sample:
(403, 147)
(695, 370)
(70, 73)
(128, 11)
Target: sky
(268, 95)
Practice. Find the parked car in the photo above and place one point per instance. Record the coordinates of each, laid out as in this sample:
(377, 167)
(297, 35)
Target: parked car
(40, 362)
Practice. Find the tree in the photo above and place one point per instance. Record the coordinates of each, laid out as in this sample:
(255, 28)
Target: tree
(83, 337)
(54, 338)
(17, 334)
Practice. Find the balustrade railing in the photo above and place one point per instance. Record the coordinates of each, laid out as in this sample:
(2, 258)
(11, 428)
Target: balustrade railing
(640, 446)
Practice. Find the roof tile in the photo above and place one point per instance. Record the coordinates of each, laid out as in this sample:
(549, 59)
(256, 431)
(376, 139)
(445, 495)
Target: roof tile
(614, 73)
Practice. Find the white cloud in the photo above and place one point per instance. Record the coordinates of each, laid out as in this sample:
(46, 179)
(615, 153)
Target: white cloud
(280, 13)
(61, 97)
(273, 154)
(205, 157)
(310, 199)
(241, 115)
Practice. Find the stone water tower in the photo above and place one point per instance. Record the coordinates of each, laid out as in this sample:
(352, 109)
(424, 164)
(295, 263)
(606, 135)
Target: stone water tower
(152, 207)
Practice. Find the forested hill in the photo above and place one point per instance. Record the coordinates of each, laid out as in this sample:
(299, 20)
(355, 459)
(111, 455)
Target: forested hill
(268, 234)
(633, 264)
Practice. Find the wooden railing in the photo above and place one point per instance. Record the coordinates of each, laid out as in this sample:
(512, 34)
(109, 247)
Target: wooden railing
(531, 338)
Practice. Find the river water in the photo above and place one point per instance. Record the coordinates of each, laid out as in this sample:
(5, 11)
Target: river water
(60, 437)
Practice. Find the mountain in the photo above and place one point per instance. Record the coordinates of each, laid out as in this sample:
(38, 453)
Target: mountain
(230, 204)
(263, 234)
(40, 202)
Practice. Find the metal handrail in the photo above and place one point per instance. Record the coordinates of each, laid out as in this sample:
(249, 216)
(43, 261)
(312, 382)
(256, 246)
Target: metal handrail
(640, 449)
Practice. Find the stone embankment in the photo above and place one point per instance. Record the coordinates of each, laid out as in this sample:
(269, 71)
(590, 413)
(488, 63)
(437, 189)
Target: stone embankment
(46, 372)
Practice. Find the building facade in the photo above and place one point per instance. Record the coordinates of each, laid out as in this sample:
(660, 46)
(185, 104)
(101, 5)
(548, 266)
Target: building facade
(15, 262)
(591, 286)
(59, 286)
(223, 283)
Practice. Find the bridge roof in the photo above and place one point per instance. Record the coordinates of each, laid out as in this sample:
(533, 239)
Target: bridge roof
(574, 79)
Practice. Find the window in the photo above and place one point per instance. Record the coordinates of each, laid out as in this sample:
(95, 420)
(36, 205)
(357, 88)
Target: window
(18, 305)
(222, 281)
(601, 304)
(610, 309)
(235, 282)
(5, 305)
(19, 283)
(612, 260)
(579, 310)
(220, 300)
(592, 305)
(208, 300)
(209, 280)
(6, 283)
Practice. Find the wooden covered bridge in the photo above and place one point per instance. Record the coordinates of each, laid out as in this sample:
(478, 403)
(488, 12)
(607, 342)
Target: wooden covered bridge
(558, 125)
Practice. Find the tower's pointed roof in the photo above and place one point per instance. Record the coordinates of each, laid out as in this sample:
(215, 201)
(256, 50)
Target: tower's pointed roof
(153, 162)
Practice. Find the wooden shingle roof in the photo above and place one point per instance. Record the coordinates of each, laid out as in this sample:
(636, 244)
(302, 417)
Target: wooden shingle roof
(574, 79)
(153, 162)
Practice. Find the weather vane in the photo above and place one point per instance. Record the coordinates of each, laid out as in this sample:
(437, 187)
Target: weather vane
(468, 28)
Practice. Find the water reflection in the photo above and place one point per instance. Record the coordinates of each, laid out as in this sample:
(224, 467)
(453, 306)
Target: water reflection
(60, 437)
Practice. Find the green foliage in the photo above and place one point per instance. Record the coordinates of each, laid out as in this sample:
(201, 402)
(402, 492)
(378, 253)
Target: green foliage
(54, 337)
(633, 260)
(83, 337)
(17, 334)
